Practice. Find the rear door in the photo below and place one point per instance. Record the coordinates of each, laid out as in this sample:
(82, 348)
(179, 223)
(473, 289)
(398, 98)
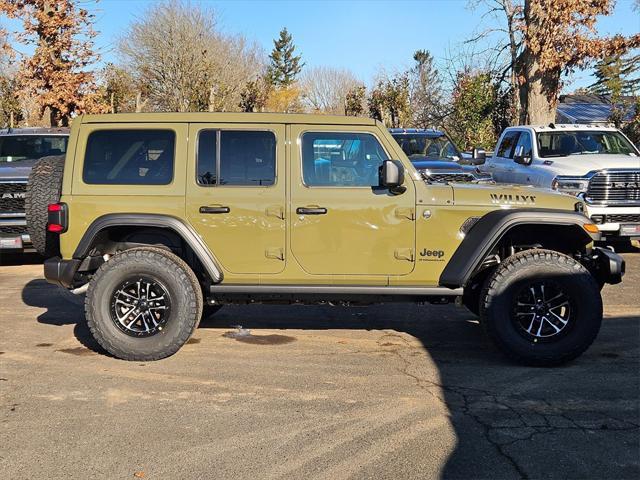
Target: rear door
(342, 223)
(236, 194)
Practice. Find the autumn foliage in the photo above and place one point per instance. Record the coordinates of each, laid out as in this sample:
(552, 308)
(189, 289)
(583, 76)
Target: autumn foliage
(57, 73)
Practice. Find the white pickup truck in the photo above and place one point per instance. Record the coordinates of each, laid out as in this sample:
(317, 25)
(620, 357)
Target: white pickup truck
(597, 164)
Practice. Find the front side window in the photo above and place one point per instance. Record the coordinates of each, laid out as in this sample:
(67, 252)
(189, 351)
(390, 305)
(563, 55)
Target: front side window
(341, 159)
(129, 157)
(590, 142)
(14, 148)
(236, 157)
(508, 142)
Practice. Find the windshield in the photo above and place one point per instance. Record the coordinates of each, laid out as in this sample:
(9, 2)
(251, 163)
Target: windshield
(14, 148)
(591, 142)
(422, 146)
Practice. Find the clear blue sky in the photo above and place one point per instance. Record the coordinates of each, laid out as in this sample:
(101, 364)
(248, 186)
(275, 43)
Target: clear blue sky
(359, 35)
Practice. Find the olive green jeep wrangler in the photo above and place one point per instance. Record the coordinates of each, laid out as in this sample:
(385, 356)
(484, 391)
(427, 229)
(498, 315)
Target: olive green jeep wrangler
(161, 218)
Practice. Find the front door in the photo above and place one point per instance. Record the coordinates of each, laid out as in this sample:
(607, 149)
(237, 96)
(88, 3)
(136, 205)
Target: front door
(236, 195)
(342, 222)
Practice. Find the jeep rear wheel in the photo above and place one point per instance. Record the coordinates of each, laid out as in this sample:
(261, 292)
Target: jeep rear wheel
(143, 304)
(541, 308)
(43, 188)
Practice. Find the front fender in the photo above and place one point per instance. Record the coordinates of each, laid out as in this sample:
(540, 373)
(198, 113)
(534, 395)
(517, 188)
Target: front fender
(491, 228)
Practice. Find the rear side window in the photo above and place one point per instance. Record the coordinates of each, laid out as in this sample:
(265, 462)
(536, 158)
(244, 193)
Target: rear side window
(508, 142)
(236, 157)
(341, 159)
(129, 157)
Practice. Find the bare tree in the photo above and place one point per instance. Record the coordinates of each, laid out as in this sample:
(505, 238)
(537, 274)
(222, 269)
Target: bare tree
(184, 63)
(325, 89)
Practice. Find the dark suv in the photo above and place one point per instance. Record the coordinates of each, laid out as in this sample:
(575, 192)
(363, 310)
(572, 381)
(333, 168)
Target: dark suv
(19, 151)
(437, 158)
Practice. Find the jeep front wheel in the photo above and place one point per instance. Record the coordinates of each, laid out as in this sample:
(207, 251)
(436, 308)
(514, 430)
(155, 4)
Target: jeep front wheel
(541, 308)
(143, 304)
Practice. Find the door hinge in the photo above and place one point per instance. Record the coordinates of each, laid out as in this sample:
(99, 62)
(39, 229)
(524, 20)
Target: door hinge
(404, 254)
(275, 211)
(408, 213)
(275, 253)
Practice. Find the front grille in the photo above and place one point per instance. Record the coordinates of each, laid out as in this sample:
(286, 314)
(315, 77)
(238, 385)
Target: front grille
(612, 187)
(449, 177)
(622, 218)
(12, 197)
(13, 230)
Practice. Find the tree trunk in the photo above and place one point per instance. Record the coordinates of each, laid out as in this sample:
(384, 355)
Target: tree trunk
(539, 92)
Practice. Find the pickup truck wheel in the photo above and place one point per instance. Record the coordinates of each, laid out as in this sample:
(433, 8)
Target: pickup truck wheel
(44, 187)
(143, 304)
(541, 308)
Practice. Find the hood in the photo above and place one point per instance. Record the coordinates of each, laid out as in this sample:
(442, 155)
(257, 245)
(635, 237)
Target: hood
(579, 165)
(16, 170)
(435, 164)
(511, 196)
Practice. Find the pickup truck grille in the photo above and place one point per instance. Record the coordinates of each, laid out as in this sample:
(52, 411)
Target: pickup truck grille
(12, 197)
(13, 230)
(622, 218)
(449, 177)
(614, 188)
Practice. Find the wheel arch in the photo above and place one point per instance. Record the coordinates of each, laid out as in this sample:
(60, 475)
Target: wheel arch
(131, 228)
(552, 229)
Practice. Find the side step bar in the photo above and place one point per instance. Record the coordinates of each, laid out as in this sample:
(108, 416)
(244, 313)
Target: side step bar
(336, 290)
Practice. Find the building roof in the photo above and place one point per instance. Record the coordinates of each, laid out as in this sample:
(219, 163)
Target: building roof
(590, 112)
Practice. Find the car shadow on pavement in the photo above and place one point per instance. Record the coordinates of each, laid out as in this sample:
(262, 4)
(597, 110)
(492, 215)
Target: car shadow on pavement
(580, 420)
(59, 311)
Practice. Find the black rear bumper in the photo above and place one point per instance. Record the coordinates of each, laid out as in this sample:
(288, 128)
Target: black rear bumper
(610, 266)
(61, 272)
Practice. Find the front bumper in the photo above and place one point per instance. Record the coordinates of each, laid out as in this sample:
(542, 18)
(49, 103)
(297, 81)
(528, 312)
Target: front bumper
(615, 221)
(13, 233)
(608, 267)
(61, 272)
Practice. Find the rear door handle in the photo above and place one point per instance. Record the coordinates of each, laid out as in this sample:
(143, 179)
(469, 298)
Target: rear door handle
(311, 210)
(205, 209)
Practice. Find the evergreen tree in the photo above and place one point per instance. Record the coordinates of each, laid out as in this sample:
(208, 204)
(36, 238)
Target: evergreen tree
(617, 75)
(285, 66)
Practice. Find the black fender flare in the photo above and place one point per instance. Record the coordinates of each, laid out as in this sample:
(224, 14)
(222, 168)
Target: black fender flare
(182, 229)
(485, 234)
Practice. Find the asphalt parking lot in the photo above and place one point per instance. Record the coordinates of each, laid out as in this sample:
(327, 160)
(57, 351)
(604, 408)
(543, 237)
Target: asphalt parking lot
(315, 392)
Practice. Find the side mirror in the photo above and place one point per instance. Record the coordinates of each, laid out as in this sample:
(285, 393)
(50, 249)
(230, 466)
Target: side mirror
(392, 176)
(478, 156)
(519, 156)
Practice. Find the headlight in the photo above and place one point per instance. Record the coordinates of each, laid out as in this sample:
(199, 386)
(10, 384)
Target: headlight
(570, 185)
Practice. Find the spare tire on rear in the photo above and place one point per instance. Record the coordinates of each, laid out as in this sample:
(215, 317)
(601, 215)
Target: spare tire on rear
(44, 187)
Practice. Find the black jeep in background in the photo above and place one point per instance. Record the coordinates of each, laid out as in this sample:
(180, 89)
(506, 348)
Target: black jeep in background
(19, 151)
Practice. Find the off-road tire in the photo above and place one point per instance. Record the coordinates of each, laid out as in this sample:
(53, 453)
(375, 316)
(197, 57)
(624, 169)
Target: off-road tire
(181, 284)
(516, 273)
(44, 187)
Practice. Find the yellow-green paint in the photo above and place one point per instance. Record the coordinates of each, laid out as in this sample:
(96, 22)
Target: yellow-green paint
(365, 238)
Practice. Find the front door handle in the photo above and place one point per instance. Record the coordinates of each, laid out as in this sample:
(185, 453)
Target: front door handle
(205, 209)
(311, 210)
